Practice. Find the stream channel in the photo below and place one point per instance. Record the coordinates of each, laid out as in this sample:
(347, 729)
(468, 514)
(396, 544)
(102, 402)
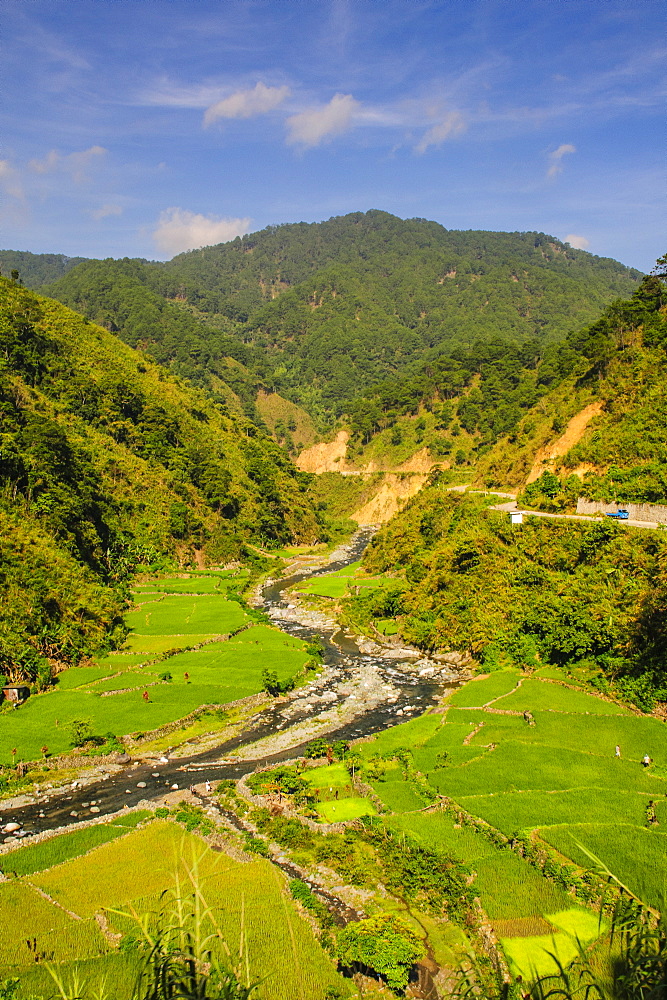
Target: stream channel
(358, 692)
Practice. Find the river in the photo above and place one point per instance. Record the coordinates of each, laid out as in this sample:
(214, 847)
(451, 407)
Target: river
(355, 695)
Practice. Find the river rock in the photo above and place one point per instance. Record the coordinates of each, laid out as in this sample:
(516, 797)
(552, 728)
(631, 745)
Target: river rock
(11, 827)
(122, 758)
(94, 809)
(141, 784)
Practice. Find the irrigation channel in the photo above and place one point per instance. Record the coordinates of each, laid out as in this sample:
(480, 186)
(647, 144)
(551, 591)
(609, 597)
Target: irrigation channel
(356, 694)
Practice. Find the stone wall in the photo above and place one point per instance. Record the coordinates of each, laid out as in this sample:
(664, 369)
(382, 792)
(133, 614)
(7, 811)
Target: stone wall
(637, 511)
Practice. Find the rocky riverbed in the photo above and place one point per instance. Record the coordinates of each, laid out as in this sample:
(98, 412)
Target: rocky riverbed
(363, 687)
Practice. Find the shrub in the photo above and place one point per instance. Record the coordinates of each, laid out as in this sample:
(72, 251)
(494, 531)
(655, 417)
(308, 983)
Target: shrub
(254, 845)
(80, 731)
(381, 943)
(304, 894)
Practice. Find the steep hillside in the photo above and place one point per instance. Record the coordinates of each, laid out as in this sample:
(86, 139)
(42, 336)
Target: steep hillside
(118, 294)
(606, 423)
(318, 312)
(539, 593)
(449, 413)
(591, 597)
(289, 424)
(108, 463)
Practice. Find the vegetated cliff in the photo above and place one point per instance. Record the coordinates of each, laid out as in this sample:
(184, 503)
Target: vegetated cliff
(319, 312)
(603, 431)
(108, 463)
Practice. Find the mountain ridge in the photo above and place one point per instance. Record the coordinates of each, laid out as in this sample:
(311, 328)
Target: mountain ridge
(320, 311)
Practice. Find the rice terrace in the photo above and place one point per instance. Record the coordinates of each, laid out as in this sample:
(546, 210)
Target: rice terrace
(505, 798)
(333, 501)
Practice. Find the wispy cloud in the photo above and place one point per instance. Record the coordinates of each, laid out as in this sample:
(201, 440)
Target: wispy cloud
(578, 242)
(166, 94)
(178, 230)
(556, 158)
(10, 180)
(452, 124)
(75, 164)
(313, 126)
(105, 211)
(247, 103)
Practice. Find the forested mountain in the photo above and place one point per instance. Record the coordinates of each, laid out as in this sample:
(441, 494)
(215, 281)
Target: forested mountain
(37, 269)
(108, 463)
(321, 311)
(460, 406)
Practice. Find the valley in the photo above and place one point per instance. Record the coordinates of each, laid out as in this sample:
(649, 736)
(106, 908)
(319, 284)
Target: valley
(466, 777)
(297, 684)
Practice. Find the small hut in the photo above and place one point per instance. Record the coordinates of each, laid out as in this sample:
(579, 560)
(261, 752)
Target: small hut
(16, 693)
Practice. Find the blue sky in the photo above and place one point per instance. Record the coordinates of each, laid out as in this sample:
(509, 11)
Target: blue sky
(145, 128)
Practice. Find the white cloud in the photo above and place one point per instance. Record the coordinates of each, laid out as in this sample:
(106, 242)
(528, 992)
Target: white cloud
(557, 156)
(310, 127)
(106, 210)
(77, 162)
(578, 242)
(74, 163)
(452, 124)
(50, 162)
(10, 180)
(247, 103)
(178, 230)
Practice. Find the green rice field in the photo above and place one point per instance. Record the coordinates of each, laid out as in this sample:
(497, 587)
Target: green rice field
(530, 955)
(339, 810)
(134, 871)
(555, 774)
(481, 691)
(637, 855)
(48, 853)
(207, 614)
(334, 776)
(110, 693)
(336, 585)
(533, 694)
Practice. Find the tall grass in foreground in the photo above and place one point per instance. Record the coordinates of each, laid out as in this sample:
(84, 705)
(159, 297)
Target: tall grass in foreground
(183, 952)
